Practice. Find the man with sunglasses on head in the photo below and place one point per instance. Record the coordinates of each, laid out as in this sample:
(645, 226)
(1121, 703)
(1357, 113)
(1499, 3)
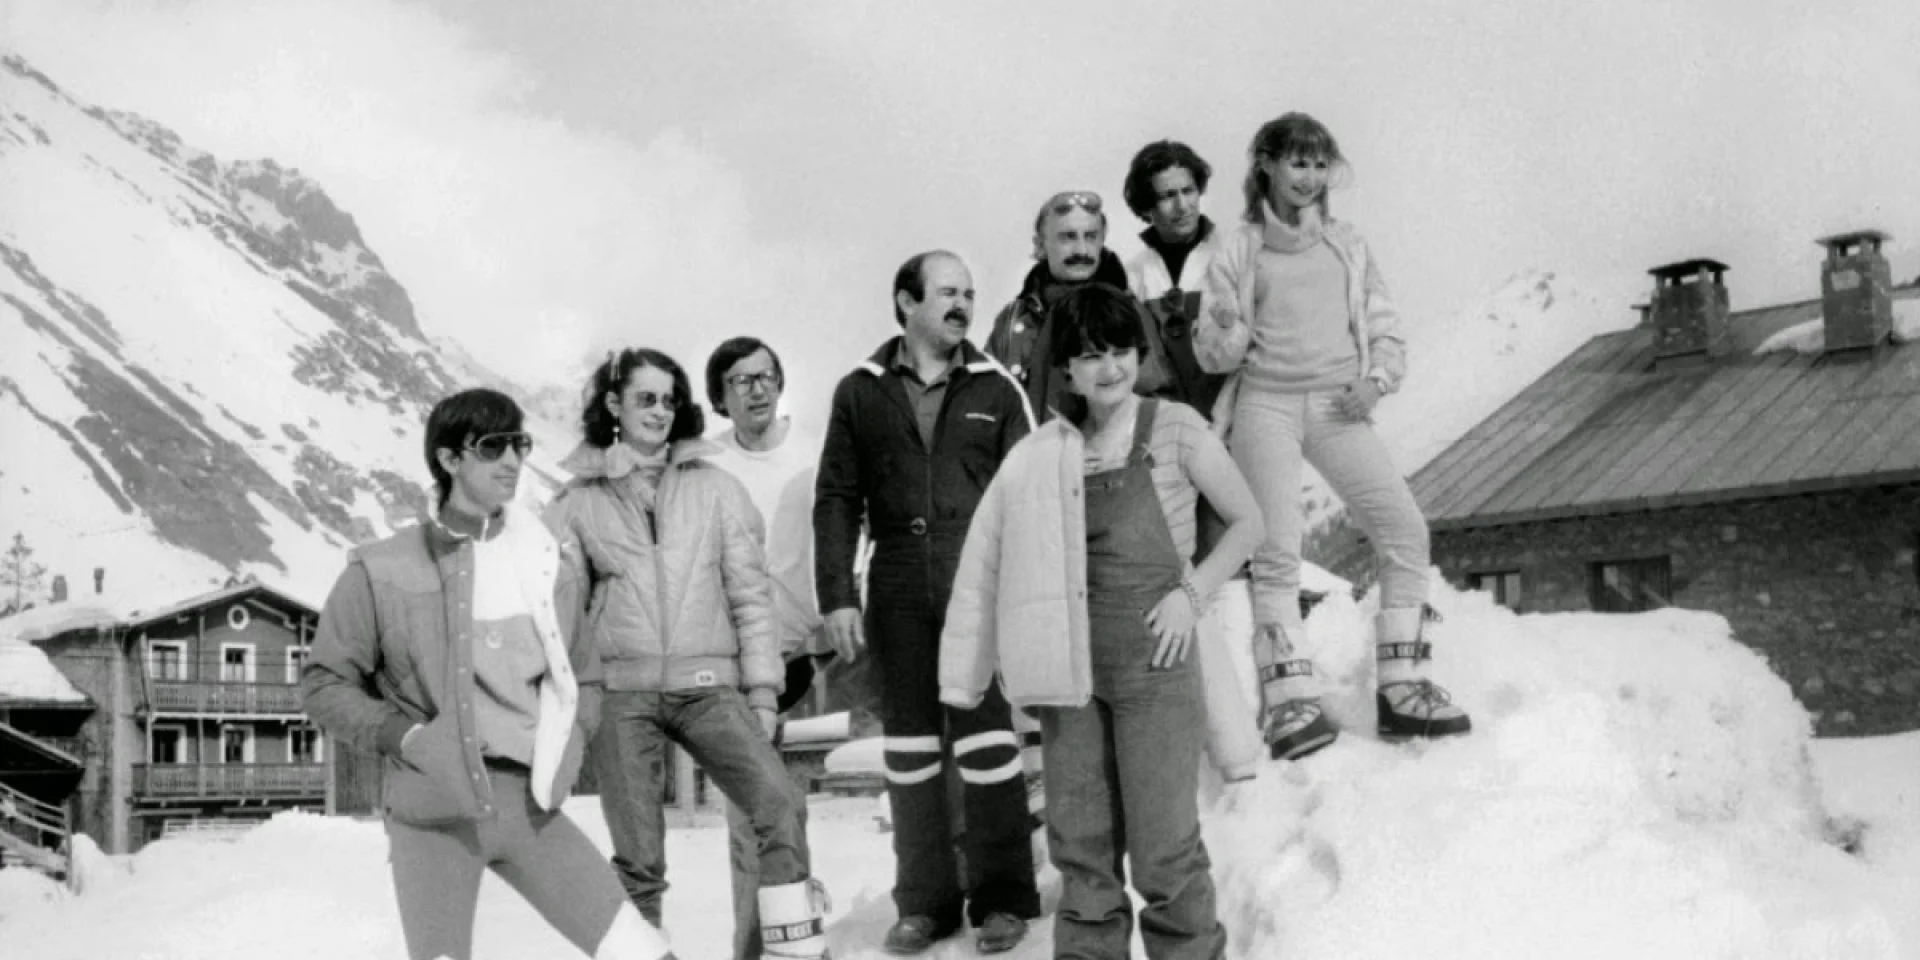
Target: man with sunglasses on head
(916, 434)
(775, 460)
(455, 649)
(1069, 247)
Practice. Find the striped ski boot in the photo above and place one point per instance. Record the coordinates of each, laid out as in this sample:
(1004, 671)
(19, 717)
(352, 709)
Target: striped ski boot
(1411, 705)
(793, 920)
(1291, 720)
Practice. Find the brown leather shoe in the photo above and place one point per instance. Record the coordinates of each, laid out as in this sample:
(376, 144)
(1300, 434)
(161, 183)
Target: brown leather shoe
(999, 933)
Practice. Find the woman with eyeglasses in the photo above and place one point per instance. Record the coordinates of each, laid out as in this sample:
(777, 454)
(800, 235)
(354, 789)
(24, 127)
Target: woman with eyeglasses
(1299, 314)
(682, 615)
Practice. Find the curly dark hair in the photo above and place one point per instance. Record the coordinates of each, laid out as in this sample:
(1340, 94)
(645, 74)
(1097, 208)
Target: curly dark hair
(598, 423)
(1154, 159)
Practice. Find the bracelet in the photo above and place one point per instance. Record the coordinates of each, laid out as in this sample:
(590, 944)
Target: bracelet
(1193, 596)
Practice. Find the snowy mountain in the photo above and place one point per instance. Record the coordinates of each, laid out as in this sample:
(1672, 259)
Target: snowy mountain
(207, 370)
(1460, 371)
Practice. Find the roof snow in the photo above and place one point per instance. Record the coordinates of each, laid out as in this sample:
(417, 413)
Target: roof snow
(1811, 336)
(27, 674)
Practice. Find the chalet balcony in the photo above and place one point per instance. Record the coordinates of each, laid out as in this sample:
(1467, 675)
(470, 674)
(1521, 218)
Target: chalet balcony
(186, 780)
(190, 697)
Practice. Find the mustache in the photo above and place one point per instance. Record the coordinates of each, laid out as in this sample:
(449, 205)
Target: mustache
(957, 314)
(1080, 261)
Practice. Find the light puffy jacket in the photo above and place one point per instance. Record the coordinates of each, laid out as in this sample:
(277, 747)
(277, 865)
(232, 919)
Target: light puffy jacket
(1221, 345)
(394, 649)
(683, 600)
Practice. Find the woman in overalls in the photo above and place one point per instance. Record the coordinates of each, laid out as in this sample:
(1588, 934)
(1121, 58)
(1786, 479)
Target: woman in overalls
(1073, 586)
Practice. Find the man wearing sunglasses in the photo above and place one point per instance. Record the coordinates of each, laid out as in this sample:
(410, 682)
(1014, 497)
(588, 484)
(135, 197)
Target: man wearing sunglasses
(775, 460)
(1069, 245)
(454, 650)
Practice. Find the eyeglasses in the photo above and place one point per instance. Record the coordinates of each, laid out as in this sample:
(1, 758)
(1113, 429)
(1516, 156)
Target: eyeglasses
(493, 446)
(745, 382)
(1068, 199)
(647, 400)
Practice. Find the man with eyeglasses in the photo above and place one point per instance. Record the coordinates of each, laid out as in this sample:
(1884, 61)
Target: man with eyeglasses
(916, 434)
(1069, 245)
(456, 650)
(775, 460)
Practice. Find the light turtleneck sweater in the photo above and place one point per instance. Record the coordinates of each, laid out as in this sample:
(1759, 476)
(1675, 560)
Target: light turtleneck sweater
(640, 471)
(1302, 336)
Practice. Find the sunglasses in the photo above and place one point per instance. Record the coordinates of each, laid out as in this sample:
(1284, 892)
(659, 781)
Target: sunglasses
(493, 446)
(743, 383)
(1068, 199)
(647, 400)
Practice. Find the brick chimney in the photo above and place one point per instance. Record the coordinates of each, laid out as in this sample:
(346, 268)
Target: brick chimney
(1646, 314)
(99, 579)
(1856, 302)
(1690, 308)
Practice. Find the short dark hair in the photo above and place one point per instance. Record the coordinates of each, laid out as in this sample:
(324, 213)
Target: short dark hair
(460, 418)
(1154, 159)
(912, 279)
(724, 357)
(1092, 318)
(598, 423)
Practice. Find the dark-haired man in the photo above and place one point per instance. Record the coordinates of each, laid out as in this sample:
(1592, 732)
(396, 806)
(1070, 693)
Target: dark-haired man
(454, 649)
(1069, 247)
(775, 460)
(1164, 185)
(917, 432)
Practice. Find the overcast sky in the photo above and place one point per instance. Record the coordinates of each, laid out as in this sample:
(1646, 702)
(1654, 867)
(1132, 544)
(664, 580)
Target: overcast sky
(552, 179)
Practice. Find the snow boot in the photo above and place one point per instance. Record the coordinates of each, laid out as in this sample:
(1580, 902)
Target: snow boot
(1410, 704)
(1291, 719)
(631, 937)
(793, 919)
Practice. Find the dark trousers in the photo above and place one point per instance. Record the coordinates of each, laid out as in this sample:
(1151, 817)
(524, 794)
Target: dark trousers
(906, 607)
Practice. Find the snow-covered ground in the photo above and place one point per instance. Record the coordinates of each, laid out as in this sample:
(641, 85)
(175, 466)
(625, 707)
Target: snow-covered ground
(1636, 786)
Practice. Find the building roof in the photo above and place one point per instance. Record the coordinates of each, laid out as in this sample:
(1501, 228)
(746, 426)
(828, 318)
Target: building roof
(51, 620)
(1611, 430)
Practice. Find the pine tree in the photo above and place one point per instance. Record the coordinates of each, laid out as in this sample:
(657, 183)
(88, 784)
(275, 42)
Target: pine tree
(17, 570)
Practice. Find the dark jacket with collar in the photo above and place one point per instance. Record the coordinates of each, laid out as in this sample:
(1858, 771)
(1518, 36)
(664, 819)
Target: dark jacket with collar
(394, 649)
(1019, 338)
(875, 469)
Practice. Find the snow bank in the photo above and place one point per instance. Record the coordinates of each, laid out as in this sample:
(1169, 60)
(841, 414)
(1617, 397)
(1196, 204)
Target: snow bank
(866, 755)
(1811, 336)
(1635, 786)
(26, 894)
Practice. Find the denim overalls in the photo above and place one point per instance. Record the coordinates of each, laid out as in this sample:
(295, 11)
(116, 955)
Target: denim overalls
(1122, 772)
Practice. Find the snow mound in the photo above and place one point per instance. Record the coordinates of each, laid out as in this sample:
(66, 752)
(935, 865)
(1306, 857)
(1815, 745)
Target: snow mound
(27, 674)
(1811, 336)
(25, 894)
(1634, 786)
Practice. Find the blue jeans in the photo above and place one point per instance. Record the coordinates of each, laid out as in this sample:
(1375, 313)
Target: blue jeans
(717, 729)
(744, 854)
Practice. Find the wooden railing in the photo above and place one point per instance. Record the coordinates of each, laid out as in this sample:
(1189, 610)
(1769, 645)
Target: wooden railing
(40, 824)
(186, 696)
(230, 779)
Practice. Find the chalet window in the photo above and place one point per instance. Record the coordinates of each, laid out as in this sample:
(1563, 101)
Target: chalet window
(1503, 584)
(236, 744)
(236, 663)
(167, 660)
(1629, 586)
(304, 745)
(169, 745)
(296, 661)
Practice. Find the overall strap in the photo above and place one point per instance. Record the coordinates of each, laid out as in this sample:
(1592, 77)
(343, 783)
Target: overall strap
(1143, 432)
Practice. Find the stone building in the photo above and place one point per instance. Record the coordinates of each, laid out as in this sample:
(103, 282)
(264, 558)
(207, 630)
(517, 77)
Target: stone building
(1691, 461)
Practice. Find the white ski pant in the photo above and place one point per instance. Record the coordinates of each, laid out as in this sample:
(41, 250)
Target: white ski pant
(1273, 434)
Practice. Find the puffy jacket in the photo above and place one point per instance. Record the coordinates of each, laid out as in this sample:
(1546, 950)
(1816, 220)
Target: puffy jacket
(1018, 339)
(1221, 340)
(680, 599)
(1175, 320)
(876, 472)
(394, 648)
